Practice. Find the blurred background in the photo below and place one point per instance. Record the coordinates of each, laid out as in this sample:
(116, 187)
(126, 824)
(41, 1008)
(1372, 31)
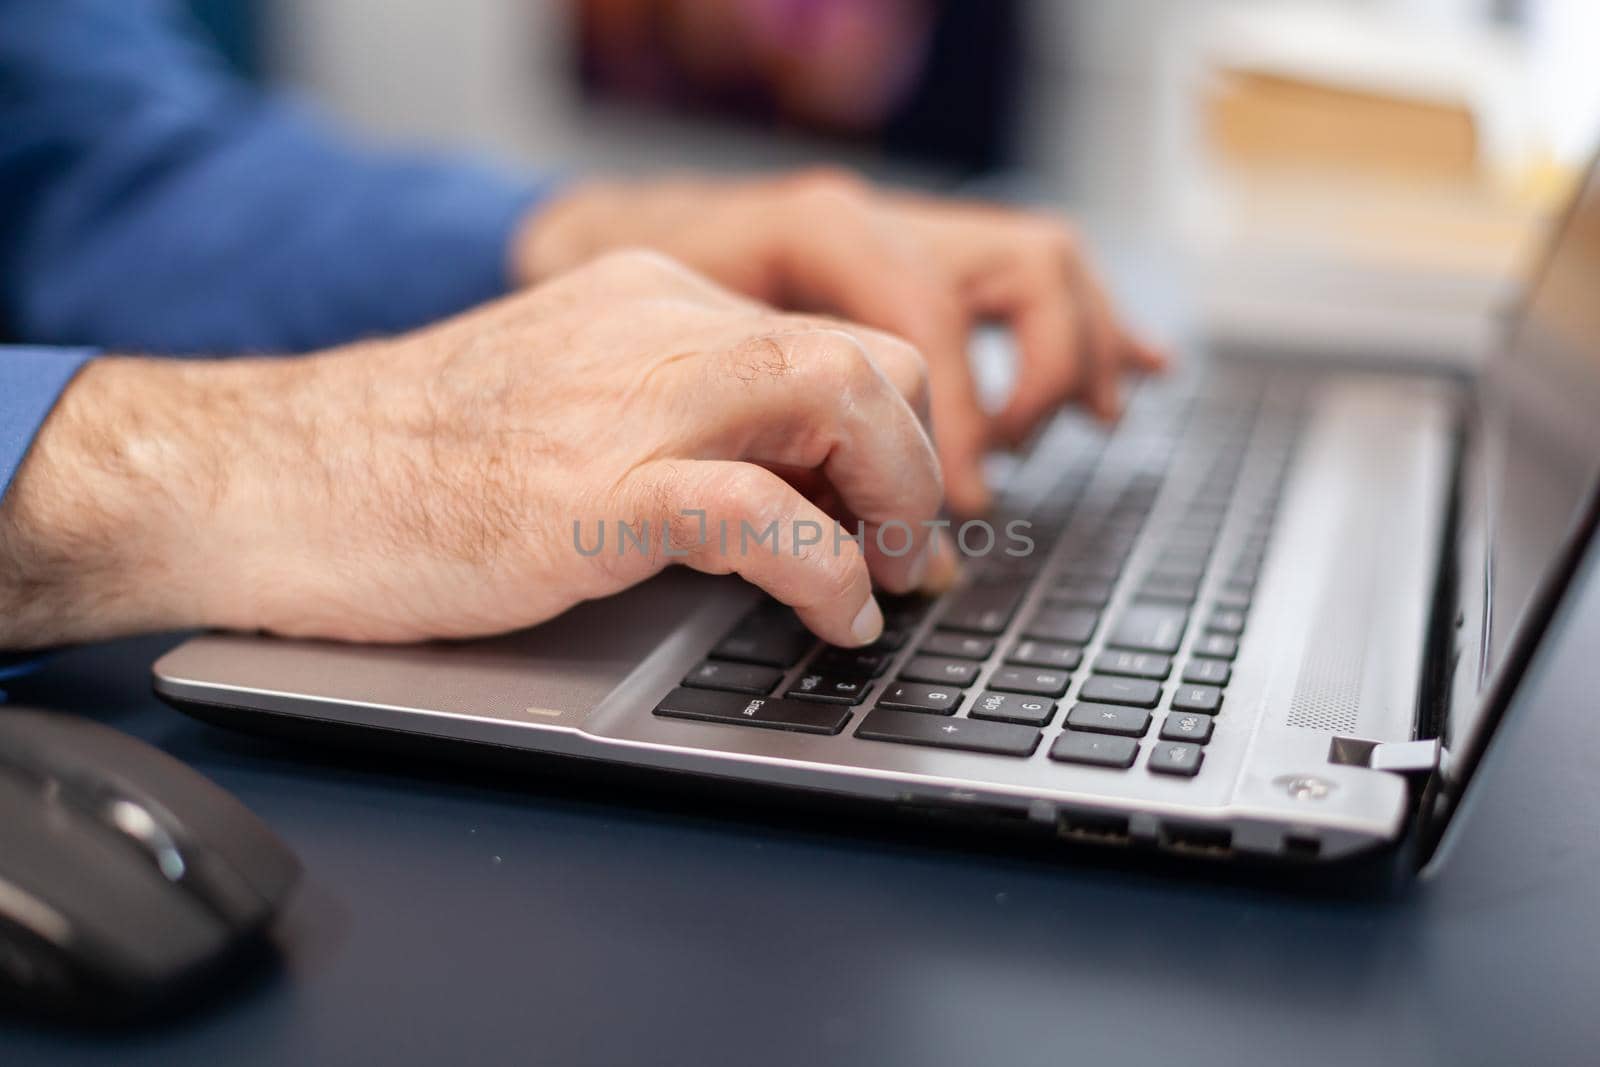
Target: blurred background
(1321, 174)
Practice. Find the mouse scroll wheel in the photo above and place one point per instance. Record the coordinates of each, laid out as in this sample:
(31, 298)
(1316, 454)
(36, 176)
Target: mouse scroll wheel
(136, 821)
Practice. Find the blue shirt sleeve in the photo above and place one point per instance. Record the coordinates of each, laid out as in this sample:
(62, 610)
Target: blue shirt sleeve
(30, 381)
(151, 203)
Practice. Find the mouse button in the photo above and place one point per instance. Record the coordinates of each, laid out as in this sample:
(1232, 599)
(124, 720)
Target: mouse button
(186, 864)
(88, 895)
(191, 809)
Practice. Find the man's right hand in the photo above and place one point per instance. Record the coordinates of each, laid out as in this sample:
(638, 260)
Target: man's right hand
(428, 486)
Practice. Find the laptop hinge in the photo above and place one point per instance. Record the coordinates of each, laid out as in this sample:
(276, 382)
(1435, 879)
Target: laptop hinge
(1398, 757)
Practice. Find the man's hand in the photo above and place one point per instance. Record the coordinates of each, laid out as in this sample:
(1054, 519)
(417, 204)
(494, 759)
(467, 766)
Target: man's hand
(430, 485)
(924, 268)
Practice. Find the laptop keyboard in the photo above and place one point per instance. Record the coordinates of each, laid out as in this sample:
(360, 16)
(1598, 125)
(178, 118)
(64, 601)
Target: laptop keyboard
(1113, 639)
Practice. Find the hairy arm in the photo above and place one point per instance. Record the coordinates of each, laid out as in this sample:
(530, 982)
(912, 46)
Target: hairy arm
(428, 485)
(102, 528)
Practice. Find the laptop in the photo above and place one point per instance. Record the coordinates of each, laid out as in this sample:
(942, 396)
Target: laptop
(1274, 617)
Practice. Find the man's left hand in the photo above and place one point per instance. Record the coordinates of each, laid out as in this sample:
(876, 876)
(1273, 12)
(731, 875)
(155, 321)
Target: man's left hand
(923, 267)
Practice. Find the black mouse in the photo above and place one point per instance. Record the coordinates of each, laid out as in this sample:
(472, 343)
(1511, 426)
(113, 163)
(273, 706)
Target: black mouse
(129, 884)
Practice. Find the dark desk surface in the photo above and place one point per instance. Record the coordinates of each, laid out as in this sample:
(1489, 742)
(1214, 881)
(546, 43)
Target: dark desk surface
(447, 920)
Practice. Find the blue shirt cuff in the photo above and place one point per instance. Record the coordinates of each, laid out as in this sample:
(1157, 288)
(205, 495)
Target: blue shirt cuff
(31, 381)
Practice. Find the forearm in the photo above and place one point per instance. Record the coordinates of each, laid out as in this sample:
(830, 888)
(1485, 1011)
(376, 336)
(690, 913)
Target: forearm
(116, 521)
(152, 203)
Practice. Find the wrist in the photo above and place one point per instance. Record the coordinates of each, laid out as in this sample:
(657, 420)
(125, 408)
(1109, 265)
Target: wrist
(111, 525)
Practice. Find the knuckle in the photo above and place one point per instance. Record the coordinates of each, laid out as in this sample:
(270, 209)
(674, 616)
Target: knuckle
(842, 362)
(737, 487)
(906, 366)
(832, 574)
(761, 355)
(638, 262)
(829, 188)
(743, 492)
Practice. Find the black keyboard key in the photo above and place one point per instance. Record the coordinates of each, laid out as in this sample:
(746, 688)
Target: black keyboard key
(1002, 567)
(1237, 599)
(904, 612)
(1135, 692)
(829, 688)
(1013, 707)
(1095, 568)
(940, 671)
(1150, 628)
(971, 735)
(1181, 569)
(1034, 680)
(1133, 664)
(1207, 672)
(1184, 559)
(961, 646)
(734, 677)
(1176, 757)
(1071, 626)
(1206, 698)
(766, 639)
(1060, 657)
(1109, 719)
(1226, 621)
(707, 705)
(1188, 726)
(985, 608)
(1242, 579)
(852, 662)
(1085, 592)
(1217, 646)
(890, 640)
(1096, 750)
(911, 696)
(1167, 588)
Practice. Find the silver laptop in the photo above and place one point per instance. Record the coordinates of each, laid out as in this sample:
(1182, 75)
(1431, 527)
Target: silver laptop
(1275, 616)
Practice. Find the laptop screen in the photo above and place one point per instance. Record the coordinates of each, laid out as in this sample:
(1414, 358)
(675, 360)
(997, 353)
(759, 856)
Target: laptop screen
(1541, 404)
(1532, 470)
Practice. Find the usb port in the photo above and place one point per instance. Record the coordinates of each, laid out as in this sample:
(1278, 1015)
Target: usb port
(1196, 840)
(1093, 827)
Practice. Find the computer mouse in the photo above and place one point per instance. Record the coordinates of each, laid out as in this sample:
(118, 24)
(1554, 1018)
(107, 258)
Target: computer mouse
(128, 883)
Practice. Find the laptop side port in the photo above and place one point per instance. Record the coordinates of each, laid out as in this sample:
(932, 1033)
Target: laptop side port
(1093, 827)
(1195, 840)
(1301, 847)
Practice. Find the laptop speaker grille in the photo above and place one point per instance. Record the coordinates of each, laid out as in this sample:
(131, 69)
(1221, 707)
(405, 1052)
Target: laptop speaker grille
(1327, 694)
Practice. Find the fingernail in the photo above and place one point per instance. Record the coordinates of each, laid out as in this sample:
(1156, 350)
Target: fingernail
(868, 624)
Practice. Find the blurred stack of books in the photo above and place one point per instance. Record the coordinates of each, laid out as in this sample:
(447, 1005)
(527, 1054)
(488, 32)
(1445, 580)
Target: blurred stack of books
(1365, 185)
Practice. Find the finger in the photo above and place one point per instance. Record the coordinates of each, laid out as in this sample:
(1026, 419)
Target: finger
(838, 255)
(1102, 345)
(1047, 328)
(725, 517)
(900, 361)
(817, 398)
(962, 434)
